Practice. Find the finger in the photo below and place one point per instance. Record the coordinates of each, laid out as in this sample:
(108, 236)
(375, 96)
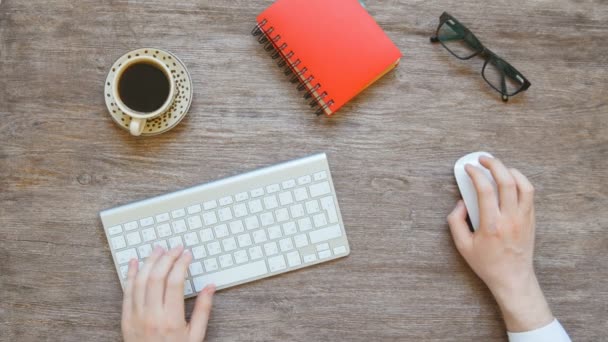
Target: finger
(174, 295)
(155, 291)
(507, 190)
(141, 280)
(127, 300)
(525, 190)
(486, 198)
(461, 234)
(201, 313)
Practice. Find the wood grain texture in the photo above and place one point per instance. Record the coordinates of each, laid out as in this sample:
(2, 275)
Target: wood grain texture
(62, 160)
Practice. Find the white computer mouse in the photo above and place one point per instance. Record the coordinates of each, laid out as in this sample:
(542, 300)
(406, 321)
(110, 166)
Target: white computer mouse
(466, 187)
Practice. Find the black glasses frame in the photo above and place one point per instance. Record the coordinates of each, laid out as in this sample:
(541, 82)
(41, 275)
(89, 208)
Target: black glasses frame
(506, 69)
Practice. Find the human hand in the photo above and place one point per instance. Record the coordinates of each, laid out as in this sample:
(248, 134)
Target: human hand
(153, 303)
(501, 250)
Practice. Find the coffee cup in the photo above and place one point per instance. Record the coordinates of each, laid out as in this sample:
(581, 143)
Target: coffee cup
(143, 88)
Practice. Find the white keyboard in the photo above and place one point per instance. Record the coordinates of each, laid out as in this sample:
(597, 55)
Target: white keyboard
(239, 229)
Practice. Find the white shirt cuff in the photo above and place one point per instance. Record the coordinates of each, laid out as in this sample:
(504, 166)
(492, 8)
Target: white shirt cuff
(552, 332)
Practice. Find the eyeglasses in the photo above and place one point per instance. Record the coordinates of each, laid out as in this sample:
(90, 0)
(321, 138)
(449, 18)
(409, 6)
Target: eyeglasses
(463, 44)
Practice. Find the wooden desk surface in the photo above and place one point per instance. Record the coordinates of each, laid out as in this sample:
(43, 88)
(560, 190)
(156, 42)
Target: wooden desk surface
(62, 159)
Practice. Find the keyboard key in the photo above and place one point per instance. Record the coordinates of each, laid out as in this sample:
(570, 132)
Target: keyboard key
(293, 259)
(319, 220)
(300, 194)
(209, 218)
(175, 241)
(115, 230)
(322, 247)
(273, 188)
(188, 288)
(210, 205)
(118, 242)
(255, 252)
(324, 254)
(286, 245)
(320, 176)
(198, 252)
(312, 207)
(282, 215)
(177, 213)
(133, 238)
(301, 240)
(206, 235)
(288, 184)
(225, 200)
(270, 202)
(221, 231)
(210, 265)
(194, 222)
(252, 223)
(225, 214)
(325, 234)
(257, 192)
(319, 189)
(179, 226)
(304, 224)
(229, 244)
(232, 275)
(255, 206)
(285, 198)
(266, 219)
(271, 248)
(161, 243)
(236, 227)
(130, 225)
(327, 203)
(148, 234)
(274, 232)
(296, 210)
(214, 248)
(259, 236)
(194, 209)
(123, 271)
(191, 239)
(240, 257)
(226, 260)
(164, 217)
(276, 263)
(304, 180)
(123, 257)
(242, 196)
(147, 221)
(240, 210)
(340, 250)
(289, 228)
(144, 251)
(164, 230)
(244, 240)
(196, 268)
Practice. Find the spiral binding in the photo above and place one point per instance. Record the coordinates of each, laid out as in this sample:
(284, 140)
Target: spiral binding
(271, 44)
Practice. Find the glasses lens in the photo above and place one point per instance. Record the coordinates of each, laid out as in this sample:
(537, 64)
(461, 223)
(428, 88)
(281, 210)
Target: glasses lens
(502, 77)
(459, 41)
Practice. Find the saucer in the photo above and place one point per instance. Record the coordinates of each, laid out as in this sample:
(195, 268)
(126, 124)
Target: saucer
(183, 95)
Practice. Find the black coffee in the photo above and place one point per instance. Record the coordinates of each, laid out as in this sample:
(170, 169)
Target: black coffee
(143, 87)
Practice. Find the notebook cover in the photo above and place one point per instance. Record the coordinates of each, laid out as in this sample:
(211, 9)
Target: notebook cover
(338, 42)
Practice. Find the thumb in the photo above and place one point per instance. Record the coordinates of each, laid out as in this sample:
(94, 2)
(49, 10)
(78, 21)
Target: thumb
(461, 234)
(201, 313)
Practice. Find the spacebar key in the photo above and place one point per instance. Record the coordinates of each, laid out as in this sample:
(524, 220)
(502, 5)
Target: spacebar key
(231, 275)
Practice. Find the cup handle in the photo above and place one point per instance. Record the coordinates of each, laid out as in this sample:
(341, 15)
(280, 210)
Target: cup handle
(137, 126)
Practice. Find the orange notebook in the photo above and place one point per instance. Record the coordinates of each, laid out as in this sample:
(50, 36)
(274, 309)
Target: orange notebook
(333, 48)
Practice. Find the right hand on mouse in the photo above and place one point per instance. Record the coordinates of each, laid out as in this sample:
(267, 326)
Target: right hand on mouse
(501, 250)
